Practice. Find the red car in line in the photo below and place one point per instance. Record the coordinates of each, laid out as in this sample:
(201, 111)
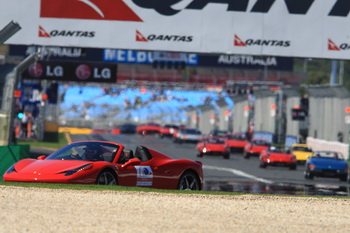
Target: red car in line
(108, 163)
(213, 146)
(255, 147)
(236, 142)
(168, 130)
(277, 156)
(149, 128)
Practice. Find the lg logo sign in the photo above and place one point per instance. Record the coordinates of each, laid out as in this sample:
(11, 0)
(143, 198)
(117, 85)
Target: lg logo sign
(87, 72)
(84, 72)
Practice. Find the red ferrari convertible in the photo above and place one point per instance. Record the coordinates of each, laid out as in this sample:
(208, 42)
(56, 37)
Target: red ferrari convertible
(213, 146)
(277, 156)
(255, 147)
(149, 128)
(236, 142)
(108, 163)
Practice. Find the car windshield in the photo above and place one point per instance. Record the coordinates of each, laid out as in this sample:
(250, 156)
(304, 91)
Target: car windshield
(86, 151)
(261, 143)
(329, 154)
(215, 140)
(191, 131)
(236, 136)
(171, 126)
(277, 149)
(220, 133)
(300, 148)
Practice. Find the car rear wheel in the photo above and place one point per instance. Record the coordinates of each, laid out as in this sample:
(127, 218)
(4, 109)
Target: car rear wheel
(189, 181)
(227, 156)
(106, 178)
(199, 154)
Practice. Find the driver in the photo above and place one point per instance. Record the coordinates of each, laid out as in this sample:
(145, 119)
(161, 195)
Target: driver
(93, 153)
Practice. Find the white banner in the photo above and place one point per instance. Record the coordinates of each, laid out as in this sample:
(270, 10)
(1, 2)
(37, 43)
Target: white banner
(293, 28)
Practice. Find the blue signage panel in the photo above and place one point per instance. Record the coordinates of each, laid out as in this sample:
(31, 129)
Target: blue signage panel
(140, 57)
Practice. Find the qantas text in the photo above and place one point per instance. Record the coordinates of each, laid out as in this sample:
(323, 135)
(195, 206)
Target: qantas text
(341, 8)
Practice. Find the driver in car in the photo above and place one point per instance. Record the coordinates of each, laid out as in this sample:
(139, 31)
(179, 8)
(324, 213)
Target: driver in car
(93, 153)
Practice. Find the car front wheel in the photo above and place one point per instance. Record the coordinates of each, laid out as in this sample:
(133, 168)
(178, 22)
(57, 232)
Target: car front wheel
(189, 181)
(343, 178)
(308, 175)
(262, 164)
(106, 178)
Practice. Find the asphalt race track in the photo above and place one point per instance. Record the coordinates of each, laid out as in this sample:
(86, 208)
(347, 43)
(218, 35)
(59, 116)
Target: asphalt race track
(235, 174)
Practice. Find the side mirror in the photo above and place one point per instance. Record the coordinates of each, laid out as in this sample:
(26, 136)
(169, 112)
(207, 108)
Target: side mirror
(132, 162)
(42, 157)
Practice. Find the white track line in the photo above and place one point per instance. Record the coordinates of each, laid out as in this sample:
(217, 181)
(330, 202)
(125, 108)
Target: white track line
(238, 173)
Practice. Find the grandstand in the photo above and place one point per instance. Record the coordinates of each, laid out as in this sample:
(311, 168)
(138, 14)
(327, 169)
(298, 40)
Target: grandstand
(115, 105)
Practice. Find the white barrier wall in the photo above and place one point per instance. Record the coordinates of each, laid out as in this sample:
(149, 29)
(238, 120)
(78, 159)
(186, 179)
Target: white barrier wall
(240, 114)
(319, 144)
(327, 113)
(265, 112)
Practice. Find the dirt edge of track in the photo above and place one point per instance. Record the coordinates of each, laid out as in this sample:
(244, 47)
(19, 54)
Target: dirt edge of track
(58, 210)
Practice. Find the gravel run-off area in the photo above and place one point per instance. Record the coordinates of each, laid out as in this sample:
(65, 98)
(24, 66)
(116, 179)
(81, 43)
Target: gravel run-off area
(59, 210)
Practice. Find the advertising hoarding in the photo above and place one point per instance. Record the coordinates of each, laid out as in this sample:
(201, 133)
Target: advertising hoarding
(293, 28)
(72, 71)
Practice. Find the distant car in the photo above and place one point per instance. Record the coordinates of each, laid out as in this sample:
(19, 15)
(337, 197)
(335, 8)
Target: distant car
(100, 131)
(255, 147)
(108, 163)
(149, 128)
(213, 146)
(218, 133)
(168, 130)
(301, 151)
(236, 142)
(327, 164)
(128, 128)
(190, 135)
(277, 156)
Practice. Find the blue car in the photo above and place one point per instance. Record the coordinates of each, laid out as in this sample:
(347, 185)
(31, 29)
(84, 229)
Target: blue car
(327, 164)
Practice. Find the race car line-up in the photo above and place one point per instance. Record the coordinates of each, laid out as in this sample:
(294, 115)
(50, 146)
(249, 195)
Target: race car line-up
(110, 163)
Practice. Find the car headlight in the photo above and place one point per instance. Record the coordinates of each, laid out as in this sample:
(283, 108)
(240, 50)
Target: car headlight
(204, 150)
(75, 170)
(11, 169)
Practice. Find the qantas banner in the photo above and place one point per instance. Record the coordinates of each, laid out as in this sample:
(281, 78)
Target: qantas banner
(294, 28)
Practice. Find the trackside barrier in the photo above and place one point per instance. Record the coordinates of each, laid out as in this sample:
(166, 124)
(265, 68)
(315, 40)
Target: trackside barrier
(11, 154)
(318, 144)
(73, 130)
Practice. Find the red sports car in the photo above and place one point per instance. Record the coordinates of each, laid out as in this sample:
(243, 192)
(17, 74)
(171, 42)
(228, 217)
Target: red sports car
(236, 142)
(255, 147)
(168, 130)
(277, 156)
(149, 128)
(213, 146)
(109, 163)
